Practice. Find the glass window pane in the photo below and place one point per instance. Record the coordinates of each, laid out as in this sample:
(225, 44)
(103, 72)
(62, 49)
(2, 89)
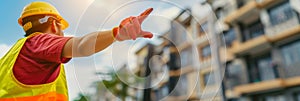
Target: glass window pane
(261, 68)
(266, 69)
(281, 13)
(209, 79)
(178, 85)
(233, 75)
(276, 98)
(204, 26)
(291, 53)
(186, 57)
(206, 51)
(229, 37)
(296, 96)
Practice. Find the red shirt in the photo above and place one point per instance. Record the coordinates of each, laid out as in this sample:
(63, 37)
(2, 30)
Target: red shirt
(39, 59)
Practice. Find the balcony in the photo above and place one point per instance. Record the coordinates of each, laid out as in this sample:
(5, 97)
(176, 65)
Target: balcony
(243, 13)
(290, 33)
(267, 85)
(263, 42)
(282, 18)
(260, 86)
(253, 45)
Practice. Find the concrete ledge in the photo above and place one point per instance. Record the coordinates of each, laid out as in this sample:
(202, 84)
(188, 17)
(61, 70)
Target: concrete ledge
(259, 86)
(238, 47)
(252, 5)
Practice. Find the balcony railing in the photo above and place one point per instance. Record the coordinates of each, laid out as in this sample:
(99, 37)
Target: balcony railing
(288, 76)
(291, 70)
(253, 45)
(254, 30)
(249, 9)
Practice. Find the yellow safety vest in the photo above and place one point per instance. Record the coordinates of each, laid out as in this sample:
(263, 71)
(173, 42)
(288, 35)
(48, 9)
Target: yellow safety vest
(13, 90)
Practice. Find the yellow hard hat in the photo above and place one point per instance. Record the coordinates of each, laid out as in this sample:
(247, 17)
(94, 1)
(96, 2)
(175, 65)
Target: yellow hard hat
(39, 7)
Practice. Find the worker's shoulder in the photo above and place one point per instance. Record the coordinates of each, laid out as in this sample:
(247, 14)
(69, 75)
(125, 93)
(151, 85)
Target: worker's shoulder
(44, 36)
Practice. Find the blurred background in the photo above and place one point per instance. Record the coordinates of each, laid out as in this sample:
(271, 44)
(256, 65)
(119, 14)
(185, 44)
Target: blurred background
(218, 50)
(208, 50)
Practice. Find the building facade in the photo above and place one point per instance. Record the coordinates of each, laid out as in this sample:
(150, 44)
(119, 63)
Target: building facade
(226, 50)
(263, 39)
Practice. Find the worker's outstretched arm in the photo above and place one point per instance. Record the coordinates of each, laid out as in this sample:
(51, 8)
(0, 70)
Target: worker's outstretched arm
(130, 28)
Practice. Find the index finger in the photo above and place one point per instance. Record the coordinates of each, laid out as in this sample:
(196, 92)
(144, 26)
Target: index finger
(144, 15)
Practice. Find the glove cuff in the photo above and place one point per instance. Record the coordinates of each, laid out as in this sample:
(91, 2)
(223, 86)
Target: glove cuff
(115, 32)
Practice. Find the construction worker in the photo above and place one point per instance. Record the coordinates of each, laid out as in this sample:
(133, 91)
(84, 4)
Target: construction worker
(32, 69)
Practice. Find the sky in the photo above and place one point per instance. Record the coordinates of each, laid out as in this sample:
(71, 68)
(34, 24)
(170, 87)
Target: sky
(86, 16)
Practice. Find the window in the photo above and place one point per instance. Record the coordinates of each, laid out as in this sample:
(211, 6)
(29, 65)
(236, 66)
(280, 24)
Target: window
(291, 53)
(206, 51)
(233, 75)
(240, 3)
(161, 93)
(296, 96)
(174, 63)
(271, 97)
(281, 13)
(204, 27)
(229, 37)
(177, 86)
(209, 78)
(178, 33)
(252, 30)
(275, 98)
(261, 68)
(219, 12)
(186, 57)
(265, 68)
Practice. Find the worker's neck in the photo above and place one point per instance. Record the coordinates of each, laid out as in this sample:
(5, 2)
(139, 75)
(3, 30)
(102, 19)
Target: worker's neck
(50, 31)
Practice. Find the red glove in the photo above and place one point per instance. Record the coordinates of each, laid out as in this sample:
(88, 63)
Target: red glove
(130, 28)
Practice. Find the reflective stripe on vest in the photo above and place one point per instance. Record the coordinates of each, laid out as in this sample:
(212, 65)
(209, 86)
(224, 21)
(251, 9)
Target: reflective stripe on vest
(13, 90)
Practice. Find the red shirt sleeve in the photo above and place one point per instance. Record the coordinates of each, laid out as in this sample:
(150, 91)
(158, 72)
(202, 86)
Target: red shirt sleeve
(48, 47)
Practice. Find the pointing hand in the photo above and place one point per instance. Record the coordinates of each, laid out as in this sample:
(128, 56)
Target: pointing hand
(130, 28)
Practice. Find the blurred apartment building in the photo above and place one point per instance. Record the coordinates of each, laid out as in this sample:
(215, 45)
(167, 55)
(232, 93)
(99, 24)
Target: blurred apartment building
(173, 64)
(262, 42)
(259, 50)
(188, 77)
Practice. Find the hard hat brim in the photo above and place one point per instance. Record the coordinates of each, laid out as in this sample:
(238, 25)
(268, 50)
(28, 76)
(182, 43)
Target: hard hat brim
(64, 23)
